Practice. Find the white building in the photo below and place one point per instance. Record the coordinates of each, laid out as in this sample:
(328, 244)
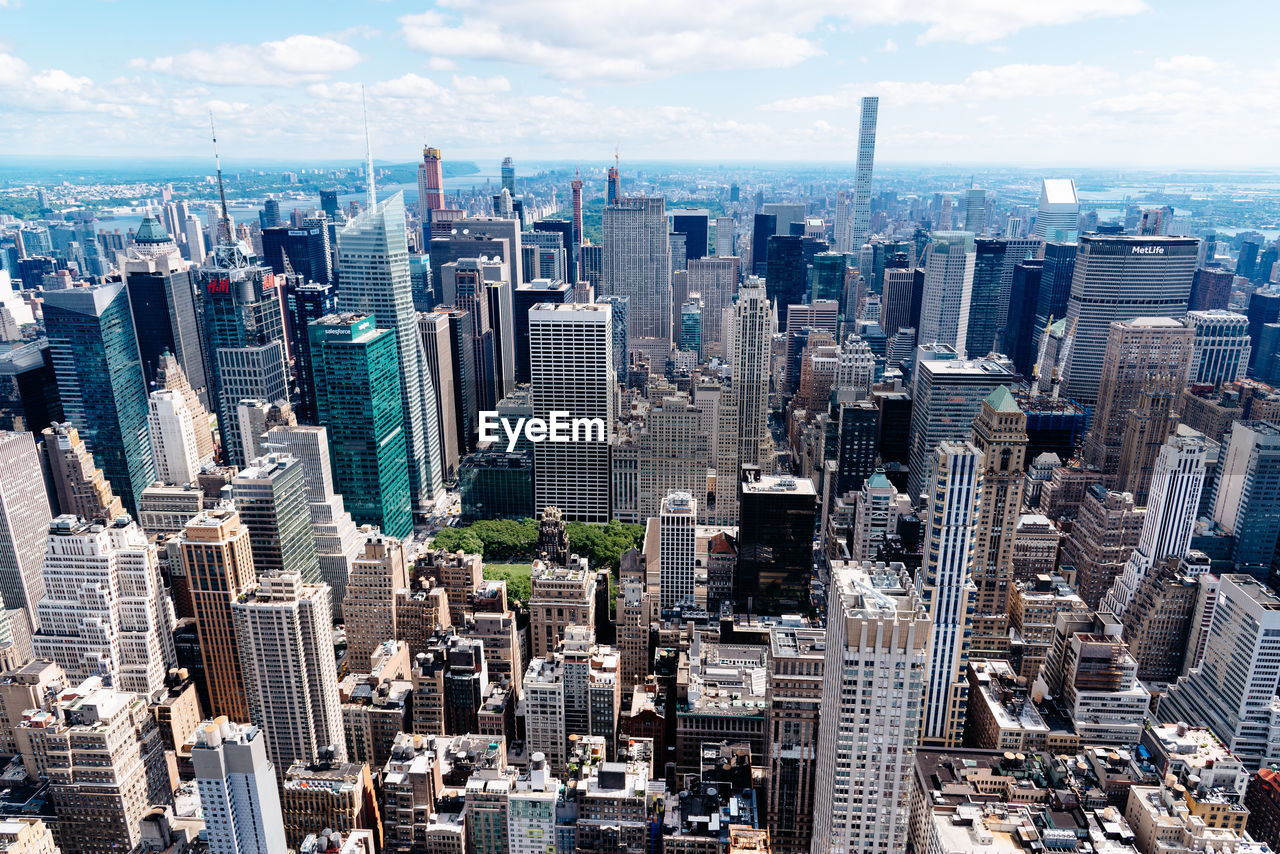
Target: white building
(24, 524)
(1058, 220)
(285, 638)
(544, 711)
(743, 433)
(637, 264)
(173, 438)
(724, 237)
(237, 786)
(1220, 350)
(531, 809)
(873, 679)
(677, 544)
(948, 287)
(1172, 503)
(860, 222)
(105, 611)
(572, 373)
(946, 587)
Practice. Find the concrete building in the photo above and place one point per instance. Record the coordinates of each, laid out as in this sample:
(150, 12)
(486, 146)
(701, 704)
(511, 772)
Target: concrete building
(1221, 346)
(743, 432)
(79, 487)
(637, 264)
(544, 711)
(1057, 220)
(329, 795)
(796, 660)
(560, 597)
(948, 285)
(676, 549)
(270, 495)
(173, 438)
(368, 608)
(238, 789)
(24, 524)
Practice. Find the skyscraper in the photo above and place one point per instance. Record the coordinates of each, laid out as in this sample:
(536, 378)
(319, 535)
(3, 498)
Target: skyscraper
(162, 303)
(239, 794)
(1118, 278)
(172, 431)
(302, 251)
(775, 542)
(947, 588)
(100, 380)
(217, 560)
(368, 608)
(1246, 501)
(79, 487)
(875, 669)
(430, 183)
(786, 280)
(860, 223)
(1143, 356)
(571, 359)
(637, 264)
(796, 659)
(271, 496)
(373, 263)
(1058, 218)
(1221, 346)
(284, 626)
(358, 397)
(763, 227)
(716, 279)
(948, 290)
(724, 244)
(743, 432)
(509, 175)
(1055, 284)
(24, 524)
(1171, 514)
(676, 549)
(305, 302)
(975, 210)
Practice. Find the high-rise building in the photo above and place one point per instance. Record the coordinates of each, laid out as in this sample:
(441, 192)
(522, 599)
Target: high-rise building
(874, 673)
(368, 609)
(171, 377)
(239, 794)
(1019, 338)
(544, 710)
(786, 276)
(1143, 356)
(948, 393)
(373, 265)
(637, 264)
(716, 280)
(101, 382)
(303, 251)
(173, 438)
(775, 542)
(162, 303)
(24, 525)
(724, 240)
(284, 626)
(743, 433)
(796, 660)
(975, 210)
(1221, 346)
(358, 398)
(763, 226)
(1211, 288)
(1246, 501)
(676, 549)
(947, 587)
(695, 225)
(305, 302)
(1055, 284)
(1057, 221)
(860, 222)
(572, 372)
(1172, 508)
(430, 183)
(217, 560)
(522, 299)
(1233, 690)
(1105, 532)
(560, 597)
(948, 288)
(271, 497)
(79, 486)
(105, 612)
(1118, 278)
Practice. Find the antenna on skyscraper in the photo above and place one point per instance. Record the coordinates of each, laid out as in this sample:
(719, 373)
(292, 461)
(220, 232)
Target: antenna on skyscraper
(217, 162)
(372, 196)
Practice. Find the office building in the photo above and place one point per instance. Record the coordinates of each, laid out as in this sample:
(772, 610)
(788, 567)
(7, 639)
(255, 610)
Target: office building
(430, 183)
(1172, 508)
(786, 277)
(171, 377)
(1233, 689)
(696, 226)
(1055, 284)
(724, 239)
(217, 560)
(524, 298)
(947, 587)
(860, 222)
(873, 677)
(374, 269)
(28, 387)
(79, 486)
(24, 525)
(637, 264)
(238, 789)
(1221, 346)
(561, 596)
(358, 398)
(545, 732)
(571, 358)
(975, 210)
(270, 495)
(172, 432)
(301, 251)
(1211, 288)
(1144, 356)
(796, 660)
(763, 226)
(101, 382)
(1119, 278)
(305, 302)
(948, 394)
(162, 304)
(330, 796)
(716, 281)
(1246, 502)
(676, 549)
(1105, 533)
(948, 286)
(743, 432)
(1057, 220)
(284, 626)
(368, 609)
(775, 542)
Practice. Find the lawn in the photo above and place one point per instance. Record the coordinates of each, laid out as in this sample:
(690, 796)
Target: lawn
(516, 575)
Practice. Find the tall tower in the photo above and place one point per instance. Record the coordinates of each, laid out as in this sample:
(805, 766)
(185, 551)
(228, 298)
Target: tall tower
(373, 263)
(576, 237)
(677, 544)
(173, 438)
(743, 432)
(430, 183)
(239, 793)
(861, 221)
(218, 562)
(24, 524)
(947, 588)
(637, 264)
(285, 626)
(615, 190)
(716, 279)
(796, 659)
(1059, 215)
(571, 367)
(509, 176)
(875, 667)
(100, 380)
(271, 497)
(1000, 433)
(1171, 515)
(948, 289)
(80, 488)
(1221, 345)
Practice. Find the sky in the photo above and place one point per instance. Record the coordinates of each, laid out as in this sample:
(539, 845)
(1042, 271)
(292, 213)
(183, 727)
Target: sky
(1125, 83)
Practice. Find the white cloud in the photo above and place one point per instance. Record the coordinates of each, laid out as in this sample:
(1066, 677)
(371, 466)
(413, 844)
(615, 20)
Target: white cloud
(296, 59)
(889, 46)
(1189, 65)
(440, 63)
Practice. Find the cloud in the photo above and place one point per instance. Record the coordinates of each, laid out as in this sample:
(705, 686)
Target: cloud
(889, 46)
(1189, 65)
(296, 59)
(440, 63)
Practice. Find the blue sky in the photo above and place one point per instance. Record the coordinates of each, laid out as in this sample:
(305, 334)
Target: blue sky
(1020, 82)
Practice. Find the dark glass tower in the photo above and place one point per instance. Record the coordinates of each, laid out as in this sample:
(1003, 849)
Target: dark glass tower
(984, 302)
(695, 226)
(305, 302)
(1055, 282)
(785, 273)
(1020, 339)
(762, 228)
(304, 251)
(100, 380)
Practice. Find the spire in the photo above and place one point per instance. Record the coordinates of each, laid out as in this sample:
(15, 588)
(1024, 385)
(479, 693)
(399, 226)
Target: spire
(372, 197)
(224, 224)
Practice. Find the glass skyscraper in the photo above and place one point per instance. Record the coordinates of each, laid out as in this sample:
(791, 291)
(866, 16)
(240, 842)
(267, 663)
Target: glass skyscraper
(104, 394)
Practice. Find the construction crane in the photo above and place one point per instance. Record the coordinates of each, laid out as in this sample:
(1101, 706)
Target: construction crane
(1035, 369)
(1063, 355)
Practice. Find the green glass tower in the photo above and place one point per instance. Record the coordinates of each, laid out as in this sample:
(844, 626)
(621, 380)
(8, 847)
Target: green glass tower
(104, 395)
(357, 377)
